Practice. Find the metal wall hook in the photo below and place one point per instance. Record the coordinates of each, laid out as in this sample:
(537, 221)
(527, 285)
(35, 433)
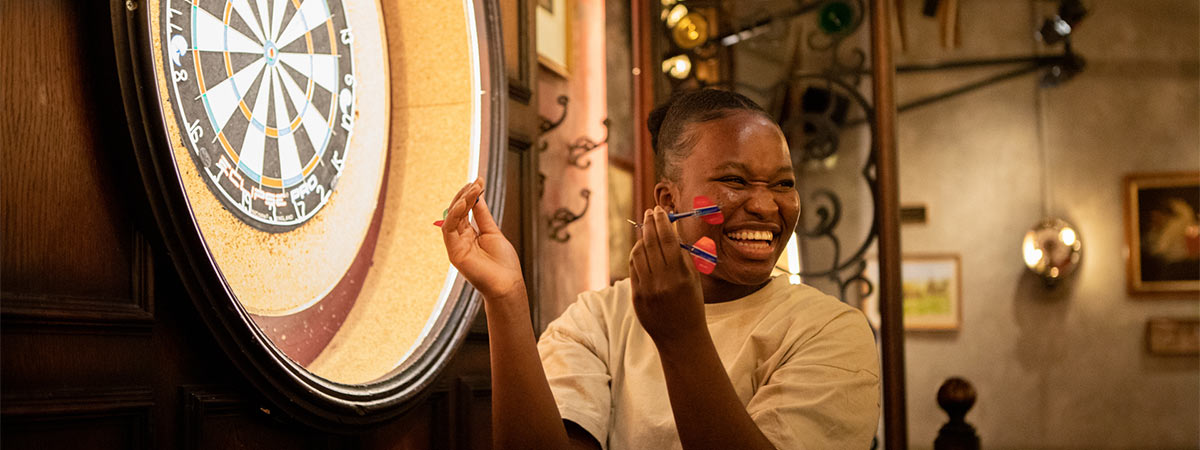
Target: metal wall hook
(563, 217)
(584, 145)
(547, 125)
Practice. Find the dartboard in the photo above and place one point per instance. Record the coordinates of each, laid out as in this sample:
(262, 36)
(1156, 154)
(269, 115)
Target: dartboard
(263, 92)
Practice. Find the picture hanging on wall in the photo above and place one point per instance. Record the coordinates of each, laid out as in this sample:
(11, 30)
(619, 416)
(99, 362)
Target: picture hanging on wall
(1173, 336)
(932, 290)
(1162, 233)
(553, 36)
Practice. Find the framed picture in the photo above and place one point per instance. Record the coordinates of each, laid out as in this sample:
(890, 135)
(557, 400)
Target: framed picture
(1162, 232)
(1173, 336)
(553, 36)
(932, 290)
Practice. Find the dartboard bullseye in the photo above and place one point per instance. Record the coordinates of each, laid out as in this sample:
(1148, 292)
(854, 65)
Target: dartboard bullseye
(264, 93)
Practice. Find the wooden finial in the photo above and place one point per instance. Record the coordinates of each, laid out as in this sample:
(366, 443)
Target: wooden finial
(956, 397)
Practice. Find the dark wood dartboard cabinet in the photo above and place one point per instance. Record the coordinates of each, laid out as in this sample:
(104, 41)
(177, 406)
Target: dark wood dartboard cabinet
(101, 345)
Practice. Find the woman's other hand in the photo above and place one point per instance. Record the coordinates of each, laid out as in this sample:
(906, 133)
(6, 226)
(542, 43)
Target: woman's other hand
(483, 256)
(667, 296)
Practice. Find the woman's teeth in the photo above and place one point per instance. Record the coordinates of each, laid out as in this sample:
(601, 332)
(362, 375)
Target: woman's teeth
(754, 239)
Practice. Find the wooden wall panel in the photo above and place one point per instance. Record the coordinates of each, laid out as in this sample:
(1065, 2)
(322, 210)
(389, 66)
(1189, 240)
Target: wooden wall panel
(73, 418)
(66, 227)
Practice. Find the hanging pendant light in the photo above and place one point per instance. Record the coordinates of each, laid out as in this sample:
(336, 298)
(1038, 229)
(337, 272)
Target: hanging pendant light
(1052, 250)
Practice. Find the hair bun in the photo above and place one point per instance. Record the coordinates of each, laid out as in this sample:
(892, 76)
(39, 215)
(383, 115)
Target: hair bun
(655, 121)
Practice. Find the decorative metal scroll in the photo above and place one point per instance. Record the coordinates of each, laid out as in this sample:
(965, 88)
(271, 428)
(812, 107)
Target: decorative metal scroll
(563, 217)
(820, 113)
(582, 146)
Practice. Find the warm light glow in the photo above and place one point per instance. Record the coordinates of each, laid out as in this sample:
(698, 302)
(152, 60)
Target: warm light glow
(1067, 235)
(1032, 254)
(793, 260)
(679, 66)
(667, 3)
(676, 13)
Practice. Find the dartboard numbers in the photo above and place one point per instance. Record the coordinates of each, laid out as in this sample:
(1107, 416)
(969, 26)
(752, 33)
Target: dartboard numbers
(264, 95)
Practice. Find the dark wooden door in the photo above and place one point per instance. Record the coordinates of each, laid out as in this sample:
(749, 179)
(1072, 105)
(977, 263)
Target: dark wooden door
(101, 345)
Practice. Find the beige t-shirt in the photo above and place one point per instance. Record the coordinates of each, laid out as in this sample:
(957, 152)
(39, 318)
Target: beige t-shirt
(803, 363)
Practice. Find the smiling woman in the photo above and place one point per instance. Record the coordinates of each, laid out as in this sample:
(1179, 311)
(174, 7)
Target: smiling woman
(292, 156)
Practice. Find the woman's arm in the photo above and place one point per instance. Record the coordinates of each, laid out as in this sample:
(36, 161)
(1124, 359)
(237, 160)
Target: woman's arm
(524, 414)
(670, 306)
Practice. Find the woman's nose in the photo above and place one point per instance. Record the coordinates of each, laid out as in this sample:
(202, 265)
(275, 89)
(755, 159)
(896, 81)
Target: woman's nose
(761, 202)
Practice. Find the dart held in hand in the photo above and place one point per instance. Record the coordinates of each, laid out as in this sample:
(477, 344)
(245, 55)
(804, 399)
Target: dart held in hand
(702, 206)
(704, 254)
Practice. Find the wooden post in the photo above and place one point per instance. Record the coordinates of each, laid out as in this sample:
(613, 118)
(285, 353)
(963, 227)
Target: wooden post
(887, 217)
(643, 101)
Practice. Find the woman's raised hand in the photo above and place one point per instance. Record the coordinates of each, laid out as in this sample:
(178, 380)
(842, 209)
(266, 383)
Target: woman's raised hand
(483, 256)
(667, 297)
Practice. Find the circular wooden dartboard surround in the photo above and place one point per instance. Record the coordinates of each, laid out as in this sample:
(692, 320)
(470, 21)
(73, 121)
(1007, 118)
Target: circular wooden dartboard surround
(294, 152)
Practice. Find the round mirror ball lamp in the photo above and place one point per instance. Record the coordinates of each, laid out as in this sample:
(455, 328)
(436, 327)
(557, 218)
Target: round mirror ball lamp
(1052, 250)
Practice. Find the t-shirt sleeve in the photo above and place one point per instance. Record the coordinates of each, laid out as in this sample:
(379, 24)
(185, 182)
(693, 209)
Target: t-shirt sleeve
(826, 393)
(574, 352)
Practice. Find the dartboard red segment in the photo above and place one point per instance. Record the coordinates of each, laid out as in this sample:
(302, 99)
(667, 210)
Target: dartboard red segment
(264, 91)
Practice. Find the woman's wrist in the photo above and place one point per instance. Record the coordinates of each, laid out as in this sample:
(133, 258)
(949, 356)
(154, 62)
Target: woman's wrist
(513, 301)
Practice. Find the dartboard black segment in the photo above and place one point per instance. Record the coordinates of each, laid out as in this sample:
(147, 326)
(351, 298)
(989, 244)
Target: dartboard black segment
(264, 94)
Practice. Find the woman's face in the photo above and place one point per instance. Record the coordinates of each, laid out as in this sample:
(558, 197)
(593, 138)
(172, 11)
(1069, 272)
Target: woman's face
(742, 163)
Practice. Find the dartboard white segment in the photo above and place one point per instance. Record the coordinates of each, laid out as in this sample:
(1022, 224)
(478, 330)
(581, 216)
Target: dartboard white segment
(213, 36)
(321, 68)
(312, 13)
(289, 160)
(277, 11)
(243, 10)
(224, 98)
(251, 156)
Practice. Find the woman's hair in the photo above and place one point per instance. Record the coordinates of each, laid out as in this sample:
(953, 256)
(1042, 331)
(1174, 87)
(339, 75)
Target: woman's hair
(670, 135)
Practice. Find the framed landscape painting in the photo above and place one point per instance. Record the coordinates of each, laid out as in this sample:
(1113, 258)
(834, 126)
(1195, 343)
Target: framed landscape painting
(1162, 233)
(932, 289)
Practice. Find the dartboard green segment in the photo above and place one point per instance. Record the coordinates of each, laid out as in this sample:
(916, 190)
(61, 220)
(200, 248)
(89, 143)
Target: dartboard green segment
(264, 94)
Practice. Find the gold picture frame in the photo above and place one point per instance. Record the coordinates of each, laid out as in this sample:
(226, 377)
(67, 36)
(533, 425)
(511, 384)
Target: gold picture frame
(1162, 234)
(932, 289)
(553, 26)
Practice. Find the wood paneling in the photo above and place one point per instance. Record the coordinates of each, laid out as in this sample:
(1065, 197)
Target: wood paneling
(516, 20)
(116, 418)
(71, 250)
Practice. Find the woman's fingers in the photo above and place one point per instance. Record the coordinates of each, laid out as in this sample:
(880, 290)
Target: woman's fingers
(457, 226)
(638, 261)
(483, 217)
(651, 239)
(668, 239)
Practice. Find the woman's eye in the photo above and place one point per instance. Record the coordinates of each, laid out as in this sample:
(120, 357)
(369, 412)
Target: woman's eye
(733, 180)
(786, 184)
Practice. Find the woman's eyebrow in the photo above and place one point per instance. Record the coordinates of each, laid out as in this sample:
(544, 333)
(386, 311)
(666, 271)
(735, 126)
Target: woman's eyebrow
(740, 167)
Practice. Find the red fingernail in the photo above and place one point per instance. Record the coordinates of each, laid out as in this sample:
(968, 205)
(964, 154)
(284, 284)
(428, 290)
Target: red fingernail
(439, 223)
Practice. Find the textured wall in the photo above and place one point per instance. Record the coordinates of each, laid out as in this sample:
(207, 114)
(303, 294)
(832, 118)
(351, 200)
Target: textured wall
(1061, 368)
(581, 263)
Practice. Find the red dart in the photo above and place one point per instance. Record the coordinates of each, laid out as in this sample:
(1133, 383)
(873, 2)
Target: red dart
(704, 254)
(444, 214)
(708, 210)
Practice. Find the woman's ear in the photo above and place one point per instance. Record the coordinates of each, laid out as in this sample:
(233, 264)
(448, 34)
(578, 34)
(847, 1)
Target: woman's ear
(664, 195)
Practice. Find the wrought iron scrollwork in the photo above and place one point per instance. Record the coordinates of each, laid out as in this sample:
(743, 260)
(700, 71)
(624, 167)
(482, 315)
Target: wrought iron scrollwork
(584, 145)
(563, 217)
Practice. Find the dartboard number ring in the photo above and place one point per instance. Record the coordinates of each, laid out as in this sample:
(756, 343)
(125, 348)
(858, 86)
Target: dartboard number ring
(264, 95)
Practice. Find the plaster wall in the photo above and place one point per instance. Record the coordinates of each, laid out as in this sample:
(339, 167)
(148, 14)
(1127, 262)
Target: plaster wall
(1061, 368)
(581, 262)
